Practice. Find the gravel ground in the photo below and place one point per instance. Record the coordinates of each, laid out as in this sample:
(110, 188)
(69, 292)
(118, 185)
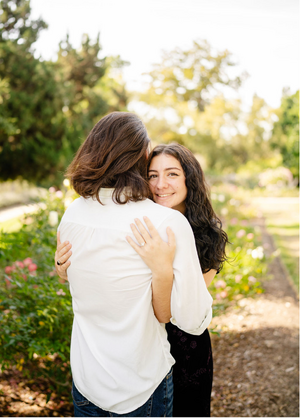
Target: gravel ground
(256, 357)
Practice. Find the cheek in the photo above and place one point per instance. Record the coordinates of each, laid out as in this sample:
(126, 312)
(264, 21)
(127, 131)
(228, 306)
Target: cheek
(152, 189)
(181, 189)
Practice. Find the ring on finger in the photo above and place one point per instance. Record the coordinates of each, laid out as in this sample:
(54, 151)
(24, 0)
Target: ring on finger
(141, 245)
(59, 263)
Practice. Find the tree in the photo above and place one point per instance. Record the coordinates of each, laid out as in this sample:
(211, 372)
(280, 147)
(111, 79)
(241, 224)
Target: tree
(48, 108)
(186, 103)
(285, 135)
(32, 125)
(88, 90)
(191, 76)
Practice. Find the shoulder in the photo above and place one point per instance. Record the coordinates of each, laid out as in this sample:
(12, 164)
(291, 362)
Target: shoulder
(76, 208)
(160, 216)
(176, 221)
(164, 213)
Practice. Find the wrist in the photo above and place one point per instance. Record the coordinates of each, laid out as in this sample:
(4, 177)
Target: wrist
(165, 274)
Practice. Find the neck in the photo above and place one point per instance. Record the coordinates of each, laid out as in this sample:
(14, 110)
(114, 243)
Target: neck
(180, 207)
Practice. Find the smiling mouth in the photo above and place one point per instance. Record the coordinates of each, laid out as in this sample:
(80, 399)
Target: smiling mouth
(164, 195)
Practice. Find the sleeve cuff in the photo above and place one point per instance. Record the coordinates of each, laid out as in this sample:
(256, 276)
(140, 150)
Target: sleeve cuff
(197, 331)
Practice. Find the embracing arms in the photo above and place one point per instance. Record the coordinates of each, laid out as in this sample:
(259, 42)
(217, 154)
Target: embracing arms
(158, 255)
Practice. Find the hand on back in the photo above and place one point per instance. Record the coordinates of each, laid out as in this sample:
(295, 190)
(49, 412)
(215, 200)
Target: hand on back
(62, 254)
(156, 253)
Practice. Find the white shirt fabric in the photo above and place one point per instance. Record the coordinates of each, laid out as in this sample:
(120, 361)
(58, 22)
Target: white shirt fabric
(119, 350)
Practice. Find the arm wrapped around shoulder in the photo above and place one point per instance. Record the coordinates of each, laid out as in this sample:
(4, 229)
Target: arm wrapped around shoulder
(191, 303)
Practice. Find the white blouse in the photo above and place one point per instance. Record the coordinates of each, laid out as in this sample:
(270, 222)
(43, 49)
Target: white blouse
(119, 350)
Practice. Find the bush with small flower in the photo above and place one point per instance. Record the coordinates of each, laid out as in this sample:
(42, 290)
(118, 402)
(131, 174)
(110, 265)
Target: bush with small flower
(242, 275)
(35, 306)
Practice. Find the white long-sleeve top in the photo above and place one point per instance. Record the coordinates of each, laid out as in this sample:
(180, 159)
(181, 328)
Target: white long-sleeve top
(119, 350)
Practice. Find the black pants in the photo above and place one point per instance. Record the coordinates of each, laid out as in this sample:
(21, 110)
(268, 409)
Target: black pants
(192, 372)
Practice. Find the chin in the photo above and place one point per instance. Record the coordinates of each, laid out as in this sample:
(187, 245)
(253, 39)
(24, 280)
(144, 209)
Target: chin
(166, 204)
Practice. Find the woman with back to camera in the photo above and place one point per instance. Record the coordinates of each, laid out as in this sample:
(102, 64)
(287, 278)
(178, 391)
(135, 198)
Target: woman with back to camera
(176, 180)
(120, 355)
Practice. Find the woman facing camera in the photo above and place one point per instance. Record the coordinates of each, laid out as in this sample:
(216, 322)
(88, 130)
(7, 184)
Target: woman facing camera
(120, 356)
(177, 181)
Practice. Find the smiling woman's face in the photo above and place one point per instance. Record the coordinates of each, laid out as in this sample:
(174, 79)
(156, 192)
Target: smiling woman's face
(167, 182)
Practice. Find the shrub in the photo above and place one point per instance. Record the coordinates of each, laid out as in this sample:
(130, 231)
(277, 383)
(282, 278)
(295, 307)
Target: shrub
(35, 308)
(241, 276)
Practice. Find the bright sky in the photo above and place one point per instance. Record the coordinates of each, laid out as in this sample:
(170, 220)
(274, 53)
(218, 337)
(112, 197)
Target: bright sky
(263, 35)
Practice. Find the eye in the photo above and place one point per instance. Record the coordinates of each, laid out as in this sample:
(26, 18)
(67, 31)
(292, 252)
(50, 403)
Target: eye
(152, 176)
(173, 174)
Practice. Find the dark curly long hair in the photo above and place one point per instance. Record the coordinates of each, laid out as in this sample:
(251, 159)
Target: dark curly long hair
(210, 238)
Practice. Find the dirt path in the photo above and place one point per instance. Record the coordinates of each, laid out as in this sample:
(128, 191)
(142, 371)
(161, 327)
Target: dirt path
(256, 358)
(16, 211)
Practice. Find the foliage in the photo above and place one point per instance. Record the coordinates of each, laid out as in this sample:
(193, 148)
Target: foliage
(35, 308)
(79, 72)
(185, 102)
(247, 266)
(276, 178)
(285, 136)
(190, 76)
(48, 108)
(18, 192)
(229, 137)
(32, 123)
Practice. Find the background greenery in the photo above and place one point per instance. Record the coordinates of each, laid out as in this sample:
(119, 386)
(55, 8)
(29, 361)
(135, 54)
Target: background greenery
(47, 109)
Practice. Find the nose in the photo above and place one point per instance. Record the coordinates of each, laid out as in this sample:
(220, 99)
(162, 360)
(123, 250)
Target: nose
(161, 182)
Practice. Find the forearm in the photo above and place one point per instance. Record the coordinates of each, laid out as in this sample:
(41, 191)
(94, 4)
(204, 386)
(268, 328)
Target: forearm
(208, 277)
(162, 283)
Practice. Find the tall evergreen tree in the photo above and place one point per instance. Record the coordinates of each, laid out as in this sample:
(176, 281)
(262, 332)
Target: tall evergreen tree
(47, 108)
(33, 124)
(79, 71)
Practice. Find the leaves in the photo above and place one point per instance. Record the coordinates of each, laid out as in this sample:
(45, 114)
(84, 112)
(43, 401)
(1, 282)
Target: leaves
(47, 108)
(36, 317)
(285, 136)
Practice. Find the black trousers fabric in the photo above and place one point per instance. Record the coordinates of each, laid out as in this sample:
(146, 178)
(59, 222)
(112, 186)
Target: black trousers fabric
(192, 372)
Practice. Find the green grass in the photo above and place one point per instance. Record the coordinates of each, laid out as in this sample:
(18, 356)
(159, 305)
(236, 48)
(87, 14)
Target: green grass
(282, 222)
(286, 238)
(11, 225)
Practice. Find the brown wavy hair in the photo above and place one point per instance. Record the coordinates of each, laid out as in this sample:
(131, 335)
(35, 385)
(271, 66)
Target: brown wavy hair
(210, 238)
(114, 155)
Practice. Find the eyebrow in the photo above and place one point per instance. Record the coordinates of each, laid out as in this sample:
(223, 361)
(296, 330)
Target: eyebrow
(169, 168)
